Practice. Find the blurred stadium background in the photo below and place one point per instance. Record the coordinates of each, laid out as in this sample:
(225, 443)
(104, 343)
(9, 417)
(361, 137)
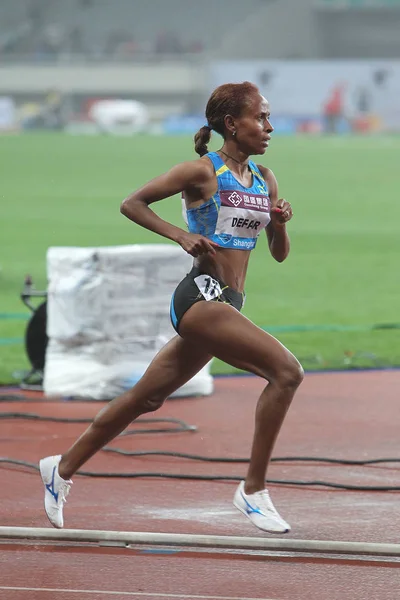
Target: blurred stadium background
(331, 71)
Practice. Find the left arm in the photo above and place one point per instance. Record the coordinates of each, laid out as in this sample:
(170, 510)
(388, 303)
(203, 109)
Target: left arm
(281, 213)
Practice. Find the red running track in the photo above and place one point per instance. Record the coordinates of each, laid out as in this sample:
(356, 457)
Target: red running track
(348, 416)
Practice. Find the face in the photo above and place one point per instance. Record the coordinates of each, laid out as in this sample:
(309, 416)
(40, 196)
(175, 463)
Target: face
(253, 128)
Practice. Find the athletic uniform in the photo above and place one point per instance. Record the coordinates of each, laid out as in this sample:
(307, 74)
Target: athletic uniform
(232, 218)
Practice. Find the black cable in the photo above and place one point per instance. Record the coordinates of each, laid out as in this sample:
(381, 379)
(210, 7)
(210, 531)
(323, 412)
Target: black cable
(184, 427)
(35, 417)
(337, 461)
(174, 454)
(17, 398)
(329, 484)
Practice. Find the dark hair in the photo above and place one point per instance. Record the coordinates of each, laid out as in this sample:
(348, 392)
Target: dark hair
(228, 99)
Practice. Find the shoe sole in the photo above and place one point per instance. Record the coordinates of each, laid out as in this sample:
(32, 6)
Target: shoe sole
(261, 528)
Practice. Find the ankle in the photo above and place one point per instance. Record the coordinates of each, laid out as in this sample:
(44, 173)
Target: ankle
(251, 487)
(63, 470)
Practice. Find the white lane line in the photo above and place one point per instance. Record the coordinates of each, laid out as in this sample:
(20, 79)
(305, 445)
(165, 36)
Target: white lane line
(135, 594)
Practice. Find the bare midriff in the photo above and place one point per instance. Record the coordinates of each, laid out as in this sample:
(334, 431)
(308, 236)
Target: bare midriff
(227, 265)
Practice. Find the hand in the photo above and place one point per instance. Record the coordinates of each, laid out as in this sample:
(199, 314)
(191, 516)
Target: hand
(281, 213)
(196, 245)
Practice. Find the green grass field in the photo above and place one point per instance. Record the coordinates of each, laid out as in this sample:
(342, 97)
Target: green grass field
(341, 278)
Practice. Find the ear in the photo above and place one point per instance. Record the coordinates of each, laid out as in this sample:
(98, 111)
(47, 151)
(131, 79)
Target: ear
(230, 125)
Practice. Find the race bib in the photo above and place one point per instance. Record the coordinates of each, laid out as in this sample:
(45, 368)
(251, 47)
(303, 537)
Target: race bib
(209, 287)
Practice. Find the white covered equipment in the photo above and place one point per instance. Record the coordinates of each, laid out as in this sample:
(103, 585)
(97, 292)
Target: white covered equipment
(120, 116)
(108, 316)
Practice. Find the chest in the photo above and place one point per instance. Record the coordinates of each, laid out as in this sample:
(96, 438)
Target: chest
(243, 214)
(241, 204)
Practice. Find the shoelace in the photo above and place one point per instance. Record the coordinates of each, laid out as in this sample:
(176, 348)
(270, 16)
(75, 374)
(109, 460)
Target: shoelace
(264, 502)
(64, 491)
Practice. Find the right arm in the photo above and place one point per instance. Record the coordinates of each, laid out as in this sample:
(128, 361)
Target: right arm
(192, 176)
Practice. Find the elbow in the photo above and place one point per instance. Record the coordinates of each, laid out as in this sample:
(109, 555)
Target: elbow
(131, 206)
(126, 207)
(280, 257)
(123, 207)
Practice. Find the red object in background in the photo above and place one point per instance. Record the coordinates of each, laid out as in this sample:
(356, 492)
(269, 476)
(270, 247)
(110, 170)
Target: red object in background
(362, 125)
(334, 105)
(89, 102)
(309, 126)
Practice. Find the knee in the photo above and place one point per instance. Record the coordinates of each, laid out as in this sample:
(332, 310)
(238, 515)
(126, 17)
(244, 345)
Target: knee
(152, 403)
(290, 374)
(145, 399)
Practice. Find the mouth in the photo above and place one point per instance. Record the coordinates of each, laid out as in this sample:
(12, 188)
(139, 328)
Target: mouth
(266, 141)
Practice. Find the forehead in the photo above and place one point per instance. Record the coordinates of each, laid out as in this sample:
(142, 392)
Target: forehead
(259, 104)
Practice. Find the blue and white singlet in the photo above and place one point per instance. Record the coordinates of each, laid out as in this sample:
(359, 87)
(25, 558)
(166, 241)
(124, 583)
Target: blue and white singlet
(235, 215)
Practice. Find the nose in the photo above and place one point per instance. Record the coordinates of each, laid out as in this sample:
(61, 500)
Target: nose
(268, 126)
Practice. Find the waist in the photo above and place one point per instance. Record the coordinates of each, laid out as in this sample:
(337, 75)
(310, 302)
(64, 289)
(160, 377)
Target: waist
(229, 292)
(232, 242)
(227, 265)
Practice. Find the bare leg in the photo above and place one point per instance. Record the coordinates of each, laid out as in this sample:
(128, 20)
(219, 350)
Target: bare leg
(225, 333)
(173, 366)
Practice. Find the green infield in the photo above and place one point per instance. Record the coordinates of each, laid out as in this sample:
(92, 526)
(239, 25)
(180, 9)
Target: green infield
(333, 302)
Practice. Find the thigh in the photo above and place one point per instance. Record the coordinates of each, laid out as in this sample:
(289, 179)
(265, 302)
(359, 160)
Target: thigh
(225, 333)
(177, 362)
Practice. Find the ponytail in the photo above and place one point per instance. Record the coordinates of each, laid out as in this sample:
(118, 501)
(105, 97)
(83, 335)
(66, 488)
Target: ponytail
(201, 140)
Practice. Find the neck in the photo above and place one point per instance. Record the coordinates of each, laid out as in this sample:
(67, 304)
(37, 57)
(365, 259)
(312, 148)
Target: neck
(234, 155)
(238, 160)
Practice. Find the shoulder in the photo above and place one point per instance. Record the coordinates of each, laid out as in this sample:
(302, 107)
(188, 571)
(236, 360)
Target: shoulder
(204, 167)
(270, 178)
(268, 174)
(194, 172)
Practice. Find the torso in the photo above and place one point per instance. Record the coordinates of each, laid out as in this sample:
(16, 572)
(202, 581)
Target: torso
(232, 213)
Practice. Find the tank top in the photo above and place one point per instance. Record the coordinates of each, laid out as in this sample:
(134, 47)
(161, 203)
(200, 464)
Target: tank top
(235, 215)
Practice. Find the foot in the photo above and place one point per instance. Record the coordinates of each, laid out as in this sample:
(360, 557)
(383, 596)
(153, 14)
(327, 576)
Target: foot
(259, 509)
(56, 490)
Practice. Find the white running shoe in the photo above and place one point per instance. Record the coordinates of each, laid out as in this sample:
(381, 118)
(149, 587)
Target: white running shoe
(259, 509)
(56, 490)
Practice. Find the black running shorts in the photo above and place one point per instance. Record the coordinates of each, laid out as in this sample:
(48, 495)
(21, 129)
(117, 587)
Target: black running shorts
(197, 286)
